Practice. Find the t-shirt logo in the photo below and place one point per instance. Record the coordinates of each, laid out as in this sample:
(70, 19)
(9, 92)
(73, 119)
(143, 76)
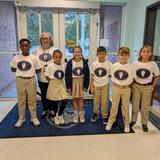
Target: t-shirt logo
(100, 72)
(24, 66)
(59, 74)
(143, 73)
(45, 57)
(121, 75)
(78, 71)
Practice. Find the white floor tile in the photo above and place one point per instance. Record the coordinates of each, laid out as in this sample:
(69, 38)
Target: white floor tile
(5, 107)
(144, 146)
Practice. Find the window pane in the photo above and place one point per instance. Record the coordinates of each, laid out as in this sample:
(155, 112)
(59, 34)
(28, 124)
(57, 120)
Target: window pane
(33, 27)
(110, 27)
(70, 32)
(8, 39)
(84, 33)
(47, 21)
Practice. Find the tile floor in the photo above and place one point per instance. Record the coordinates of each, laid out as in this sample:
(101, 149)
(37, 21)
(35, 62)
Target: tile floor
(143, 146)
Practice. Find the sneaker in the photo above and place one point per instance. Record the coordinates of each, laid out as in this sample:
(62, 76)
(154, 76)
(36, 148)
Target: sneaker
(81, 117)
(75, 118)
(127, 129)
(61, 119)
(108, 126)
(145, 128)
(52, 113)
(44, 113)
(132, 124)
(19, 123)
(56, 120)
(35, 122)
(95, 117)
(105, 120)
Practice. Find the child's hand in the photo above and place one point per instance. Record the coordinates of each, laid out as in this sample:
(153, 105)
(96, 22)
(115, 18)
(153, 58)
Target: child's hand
(69, 91)
(92, 90)
(84, 91)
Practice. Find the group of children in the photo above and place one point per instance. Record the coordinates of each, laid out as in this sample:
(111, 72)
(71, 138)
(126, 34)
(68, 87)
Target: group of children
(138, 78)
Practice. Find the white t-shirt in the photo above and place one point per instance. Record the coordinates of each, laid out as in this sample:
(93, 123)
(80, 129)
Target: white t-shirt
(25, 65)
(144, 72)
(77, 69)
(101, 72)
(54, 71)
(45, 58)
(122, 74)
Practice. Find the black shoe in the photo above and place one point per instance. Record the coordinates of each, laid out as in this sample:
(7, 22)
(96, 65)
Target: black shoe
(43, 115)
(105, 120)
(95, 117)
(132, 124)
(145, 128)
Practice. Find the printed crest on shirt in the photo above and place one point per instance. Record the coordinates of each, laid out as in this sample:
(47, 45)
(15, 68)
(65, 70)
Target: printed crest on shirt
(78, 71)
(100, 72)
(143, 73)
(59, 74)
(24, 66)
(45, 57)
(121, 75)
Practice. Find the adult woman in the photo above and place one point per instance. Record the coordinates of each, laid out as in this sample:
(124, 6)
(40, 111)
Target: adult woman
(44, 54)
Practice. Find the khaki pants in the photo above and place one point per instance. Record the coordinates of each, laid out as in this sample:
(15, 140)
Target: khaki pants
(143, 94)
(101, 96)
(26, 91)
(124, 93)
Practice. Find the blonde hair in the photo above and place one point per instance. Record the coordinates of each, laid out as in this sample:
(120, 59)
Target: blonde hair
(49, 35)
(149, 47)
(124, 50)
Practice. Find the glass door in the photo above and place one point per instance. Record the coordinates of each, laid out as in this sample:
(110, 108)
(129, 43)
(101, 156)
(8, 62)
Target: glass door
(79, 27)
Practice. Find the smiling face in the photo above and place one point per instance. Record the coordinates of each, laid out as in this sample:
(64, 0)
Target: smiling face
(57, 57)
(25, 46)
(101, 56)
(45, 40)
(77, 53)
(123, 58)
(146, 54)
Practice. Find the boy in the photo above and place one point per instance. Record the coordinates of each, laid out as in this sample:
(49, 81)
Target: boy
(99, 84)
(25, 66)
(122, 78)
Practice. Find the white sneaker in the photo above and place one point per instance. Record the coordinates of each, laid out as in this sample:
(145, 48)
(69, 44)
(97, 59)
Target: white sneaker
(127, 129)
(75, 118)
(61, 119)
(35, 122)
(108, 126)
(52, 112)
(81, 117)
(19, 123)
(56, 120)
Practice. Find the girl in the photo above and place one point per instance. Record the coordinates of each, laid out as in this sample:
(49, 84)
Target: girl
(146, 75)
(56, 90)
(77, 82)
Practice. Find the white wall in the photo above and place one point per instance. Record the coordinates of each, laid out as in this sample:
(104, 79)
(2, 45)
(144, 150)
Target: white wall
(157, 35)
(135, 22)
